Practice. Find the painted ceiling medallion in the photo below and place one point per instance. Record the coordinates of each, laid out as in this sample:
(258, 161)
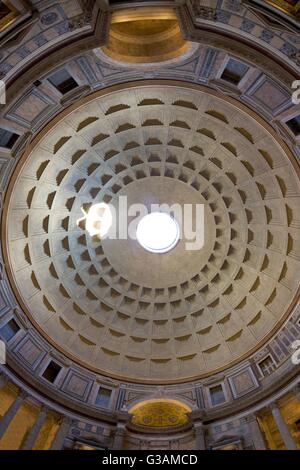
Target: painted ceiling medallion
(160, 413)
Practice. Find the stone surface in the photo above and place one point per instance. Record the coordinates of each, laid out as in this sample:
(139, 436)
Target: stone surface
(147, 316)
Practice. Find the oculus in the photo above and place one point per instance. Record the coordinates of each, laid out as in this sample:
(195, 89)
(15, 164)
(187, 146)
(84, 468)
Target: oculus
(158, 232)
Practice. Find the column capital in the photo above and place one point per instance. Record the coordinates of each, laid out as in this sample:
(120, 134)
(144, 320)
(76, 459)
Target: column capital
(251, 417)
(122, 418)
(197, 415)
(3, 380)
(44, 409)
(274, 406)
(120, 430)
(66, 420)
(296, 390)
(199, 427)
(119, 435)
(22, 394)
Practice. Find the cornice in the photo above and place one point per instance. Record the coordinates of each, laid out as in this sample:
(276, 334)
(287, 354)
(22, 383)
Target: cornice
(212, 32)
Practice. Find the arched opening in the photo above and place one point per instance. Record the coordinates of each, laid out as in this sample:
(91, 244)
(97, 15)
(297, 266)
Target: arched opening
(159, 413)
(145, 35)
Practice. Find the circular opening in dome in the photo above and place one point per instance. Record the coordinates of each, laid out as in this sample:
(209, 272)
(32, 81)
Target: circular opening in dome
(158, 232)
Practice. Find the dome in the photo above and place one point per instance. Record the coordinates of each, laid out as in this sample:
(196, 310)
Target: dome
(149, 198)
(122, 311)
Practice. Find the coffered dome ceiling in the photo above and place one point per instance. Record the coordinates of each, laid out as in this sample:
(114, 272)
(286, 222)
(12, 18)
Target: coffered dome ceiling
(112, 306)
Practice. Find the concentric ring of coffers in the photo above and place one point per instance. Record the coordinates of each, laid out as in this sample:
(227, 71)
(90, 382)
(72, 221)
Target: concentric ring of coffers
(119, 310)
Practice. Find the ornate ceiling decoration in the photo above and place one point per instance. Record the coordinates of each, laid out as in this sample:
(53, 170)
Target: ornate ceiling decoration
(145, 35)
(189, 314)
(159, 413)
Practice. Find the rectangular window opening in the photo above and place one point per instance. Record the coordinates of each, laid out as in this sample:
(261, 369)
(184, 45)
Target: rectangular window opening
(8, 138)
(103, 397)
(51, 372)
(9, 330)
(294, 125)
(217, 395)
(234, 71)
(63, 81)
